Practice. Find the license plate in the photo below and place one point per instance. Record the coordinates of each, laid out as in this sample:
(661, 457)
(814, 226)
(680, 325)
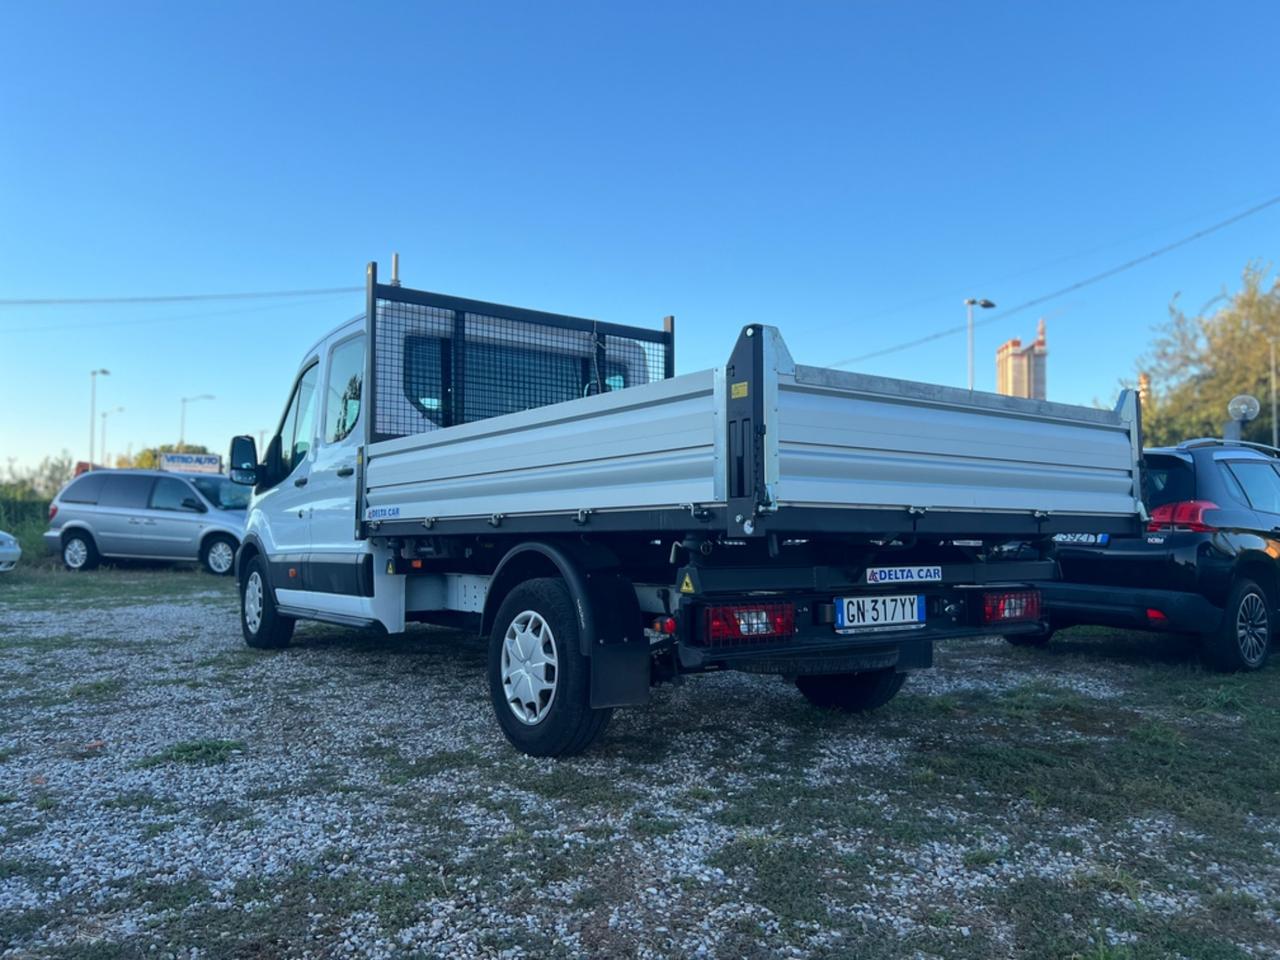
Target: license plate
(1090, 539)
(878, 613)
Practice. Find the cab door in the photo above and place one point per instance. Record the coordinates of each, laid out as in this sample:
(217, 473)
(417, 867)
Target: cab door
(335, 554)
(284, 507)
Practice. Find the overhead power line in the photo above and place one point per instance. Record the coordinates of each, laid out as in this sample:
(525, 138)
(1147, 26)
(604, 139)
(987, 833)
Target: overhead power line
(174, 298)
(1071, 288)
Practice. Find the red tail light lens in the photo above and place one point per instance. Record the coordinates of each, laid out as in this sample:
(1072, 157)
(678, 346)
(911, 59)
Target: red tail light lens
(1011, 606)
(1187, 515)
(748, 623)
(53, 511)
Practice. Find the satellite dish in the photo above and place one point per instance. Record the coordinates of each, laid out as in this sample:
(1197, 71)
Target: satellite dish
(1243, 407)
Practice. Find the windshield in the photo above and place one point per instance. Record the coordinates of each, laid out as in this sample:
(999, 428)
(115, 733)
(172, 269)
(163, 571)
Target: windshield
(222, 493)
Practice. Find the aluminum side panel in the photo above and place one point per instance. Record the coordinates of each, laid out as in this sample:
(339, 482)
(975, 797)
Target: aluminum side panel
(850, 441)
(647, 446)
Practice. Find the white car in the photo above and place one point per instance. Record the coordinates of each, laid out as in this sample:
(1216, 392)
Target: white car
(10, 552)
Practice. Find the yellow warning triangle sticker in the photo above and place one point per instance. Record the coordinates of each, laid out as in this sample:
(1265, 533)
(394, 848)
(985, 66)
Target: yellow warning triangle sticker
(687, 586)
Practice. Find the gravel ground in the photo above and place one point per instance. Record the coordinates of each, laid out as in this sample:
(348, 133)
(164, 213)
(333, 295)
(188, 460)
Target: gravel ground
(166, 792)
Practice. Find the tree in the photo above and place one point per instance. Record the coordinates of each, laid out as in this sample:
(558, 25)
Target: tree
(40, 482)
(149, 457)
(1197, 364)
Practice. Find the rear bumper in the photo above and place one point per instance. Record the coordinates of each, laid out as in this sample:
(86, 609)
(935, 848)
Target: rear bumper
(900, 650)
(1085, 603)
(9, 557)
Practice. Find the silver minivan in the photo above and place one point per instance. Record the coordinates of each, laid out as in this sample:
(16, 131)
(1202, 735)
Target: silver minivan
(148, 515)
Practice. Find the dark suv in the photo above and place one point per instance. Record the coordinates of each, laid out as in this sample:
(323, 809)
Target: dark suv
(1208, 564)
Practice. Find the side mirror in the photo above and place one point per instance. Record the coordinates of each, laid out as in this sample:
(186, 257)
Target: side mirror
(192, 504)
(243, 461)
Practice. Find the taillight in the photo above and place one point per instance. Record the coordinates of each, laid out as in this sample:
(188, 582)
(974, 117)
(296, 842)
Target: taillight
(53, 511)
(744, 623)
(1187, 515)
(1010, 606)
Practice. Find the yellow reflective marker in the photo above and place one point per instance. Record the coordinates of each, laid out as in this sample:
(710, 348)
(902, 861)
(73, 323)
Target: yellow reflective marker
(687, 586)
(738, 390)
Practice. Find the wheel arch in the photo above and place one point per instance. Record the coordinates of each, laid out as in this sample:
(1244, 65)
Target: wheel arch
(249, 548)
(76, 526)
(1262, 570)
(572, 564)
(218, 532)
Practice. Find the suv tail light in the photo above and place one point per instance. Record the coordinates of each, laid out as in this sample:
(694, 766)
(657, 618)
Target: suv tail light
(749, 622)
(1011, 606)
(1186, 515)
(53, 511)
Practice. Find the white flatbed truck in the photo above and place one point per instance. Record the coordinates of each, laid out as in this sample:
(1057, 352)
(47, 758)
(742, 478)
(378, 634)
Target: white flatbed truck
(607, 525)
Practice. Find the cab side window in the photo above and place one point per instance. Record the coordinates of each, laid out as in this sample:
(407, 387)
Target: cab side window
(342, 391)
(298, 426)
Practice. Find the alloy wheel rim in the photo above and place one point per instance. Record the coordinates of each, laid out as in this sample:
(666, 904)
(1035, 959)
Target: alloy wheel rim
(530, 668)
(75, 553)
(1252, 628)
(221, 557)
(253, 602)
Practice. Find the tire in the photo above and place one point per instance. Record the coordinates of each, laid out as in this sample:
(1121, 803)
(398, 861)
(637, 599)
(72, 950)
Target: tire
(541, 720)
(79, 552)
(851, 692)
(1243, 641)
(218, 555)
(1037, 640)
(263, 626)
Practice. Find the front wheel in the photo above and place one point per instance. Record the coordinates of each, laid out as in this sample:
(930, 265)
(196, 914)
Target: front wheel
(539, 681)
(1243, 640)
(851, 692)
(218, 555)
(260, 622)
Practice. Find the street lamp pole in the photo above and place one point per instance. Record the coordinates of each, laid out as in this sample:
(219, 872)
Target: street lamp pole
(182, 424)
(1275, 434)
(970, 303)
(106, 413)
(93, 407)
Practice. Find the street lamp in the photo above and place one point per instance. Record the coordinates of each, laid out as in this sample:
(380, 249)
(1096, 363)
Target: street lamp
(106, 413)
(93, 404)
(970, 303)
(182, 426)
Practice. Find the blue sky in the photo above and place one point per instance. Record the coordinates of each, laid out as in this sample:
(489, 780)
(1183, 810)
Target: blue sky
(849, 172)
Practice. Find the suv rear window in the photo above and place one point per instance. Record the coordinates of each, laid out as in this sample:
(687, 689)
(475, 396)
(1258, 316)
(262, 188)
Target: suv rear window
(84, 489)
(1168, 480)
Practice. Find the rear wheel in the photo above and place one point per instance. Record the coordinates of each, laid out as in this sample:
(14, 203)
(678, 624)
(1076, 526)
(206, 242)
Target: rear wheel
(851, 692)
(539, 681)
(79, 552)
(1033, 639)
(218, 555)
(1243, 640)
(260, 622)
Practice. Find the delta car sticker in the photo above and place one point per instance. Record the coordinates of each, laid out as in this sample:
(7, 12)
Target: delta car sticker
(381, 513)
(904, 574)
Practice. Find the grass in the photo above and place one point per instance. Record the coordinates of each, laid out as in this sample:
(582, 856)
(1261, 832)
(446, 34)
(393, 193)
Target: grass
(1065, 803)
(206, 752)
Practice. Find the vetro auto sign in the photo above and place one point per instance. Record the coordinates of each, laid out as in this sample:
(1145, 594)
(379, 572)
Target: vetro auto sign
(904, 574)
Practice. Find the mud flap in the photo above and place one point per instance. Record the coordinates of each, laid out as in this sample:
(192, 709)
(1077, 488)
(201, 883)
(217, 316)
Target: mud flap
(620, 662)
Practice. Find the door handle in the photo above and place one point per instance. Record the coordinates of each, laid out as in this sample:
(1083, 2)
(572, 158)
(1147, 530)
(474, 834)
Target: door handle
(300, 482)
(346, 471)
